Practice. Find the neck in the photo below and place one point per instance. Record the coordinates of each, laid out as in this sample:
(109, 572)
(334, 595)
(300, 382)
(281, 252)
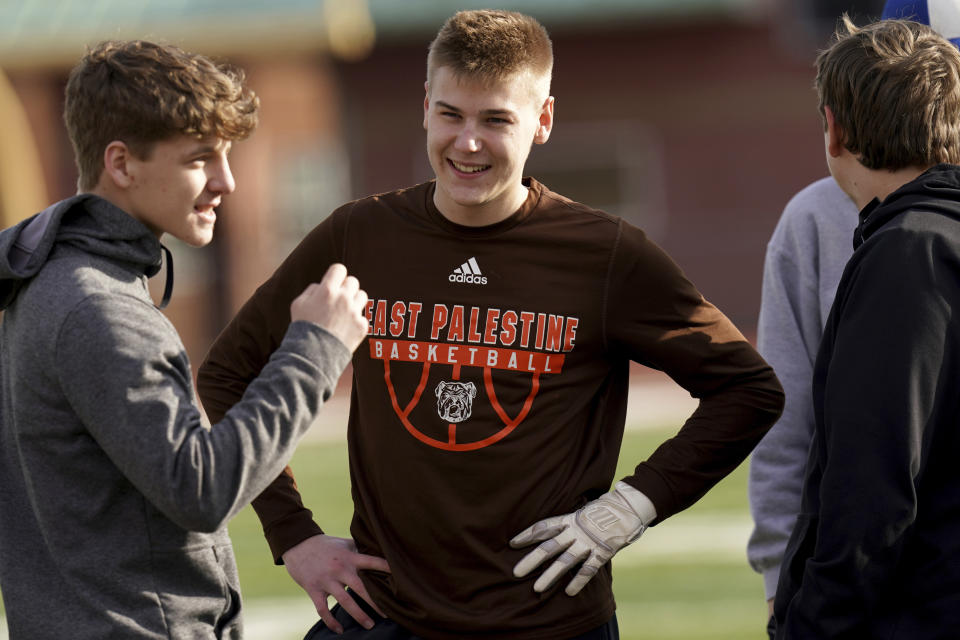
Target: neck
(480, 214)
(119, 199)
(864, 185)
(110, 195)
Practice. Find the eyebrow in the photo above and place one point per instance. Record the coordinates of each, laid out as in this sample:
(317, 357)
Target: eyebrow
(486, 112)
(199, 151)
(206, 149)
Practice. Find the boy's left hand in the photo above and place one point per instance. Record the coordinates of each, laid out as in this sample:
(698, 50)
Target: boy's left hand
(590, 535)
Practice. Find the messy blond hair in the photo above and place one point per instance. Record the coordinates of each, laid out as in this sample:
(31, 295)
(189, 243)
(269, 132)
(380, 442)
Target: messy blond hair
(894, 90)
(140, 93)
(490, 45)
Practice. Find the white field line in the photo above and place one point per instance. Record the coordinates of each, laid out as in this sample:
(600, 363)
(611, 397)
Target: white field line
(278, 618)
(704, 538)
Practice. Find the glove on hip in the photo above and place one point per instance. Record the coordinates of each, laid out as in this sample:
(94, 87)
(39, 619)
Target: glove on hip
(591, 535)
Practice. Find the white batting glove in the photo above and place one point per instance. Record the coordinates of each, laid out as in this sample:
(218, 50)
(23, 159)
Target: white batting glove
(590, 535)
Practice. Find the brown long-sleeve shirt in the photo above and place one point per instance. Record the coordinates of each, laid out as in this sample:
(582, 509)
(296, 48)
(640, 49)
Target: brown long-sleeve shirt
(491, 393)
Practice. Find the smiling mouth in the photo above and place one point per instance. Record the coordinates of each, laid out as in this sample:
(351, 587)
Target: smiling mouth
(468, 168)
(206, 211)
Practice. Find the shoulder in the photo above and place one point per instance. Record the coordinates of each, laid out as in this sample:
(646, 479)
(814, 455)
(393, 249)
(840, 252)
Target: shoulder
(76, 306)
(913, 235)
(407, 203)
(72, 276)
(409, 197)
(910, 254)
(553, 203)
(818, 220)
(110, 326)
(819, 205)
(564, 221)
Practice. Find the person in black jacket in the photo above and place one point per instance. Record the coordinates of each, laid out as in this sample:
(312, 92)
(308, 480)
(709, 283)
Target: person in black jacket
(875, 552)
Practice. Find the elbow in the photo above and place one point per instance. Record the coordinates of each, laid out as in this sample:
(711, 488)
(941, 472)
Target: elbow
(199, 518)
(199, 500)
(768, 392)
(779, 398)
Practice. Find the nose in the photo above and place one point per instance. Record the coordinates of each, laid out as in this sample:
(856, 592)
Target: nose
(221, 178)
(468, 140)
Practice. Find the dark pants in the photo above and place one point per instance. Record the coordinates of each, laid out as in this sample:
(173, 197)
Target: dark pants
(384, 629)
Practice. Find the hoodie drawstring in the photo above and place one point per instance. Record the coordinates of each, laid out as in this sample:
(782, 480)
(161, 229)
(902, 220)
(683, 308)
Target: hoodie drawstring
(168, 286)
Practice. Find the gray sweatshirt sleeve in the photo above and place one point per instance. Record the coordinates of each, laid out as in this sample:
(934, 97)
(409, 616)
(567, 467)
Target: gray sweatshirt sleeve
(804, 262)
(125, 373)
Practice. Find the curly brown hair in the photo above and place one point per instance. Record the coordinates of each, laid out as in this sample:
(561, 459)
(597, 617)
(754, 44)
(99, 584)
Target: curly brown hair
(894, 90)
(492, 45)
(141, 93)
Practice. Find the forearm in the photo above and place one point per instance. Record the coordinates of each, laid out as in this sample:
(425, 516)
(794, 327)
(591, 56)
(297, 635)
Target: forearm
(282, 403)
(713, 442)
(217, 472)
(238, 355)
(285, 520)
(131, 388)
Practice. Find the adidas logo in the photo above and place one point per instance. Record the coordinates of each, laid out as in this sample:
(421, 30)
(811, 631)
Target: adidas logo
(468, 272)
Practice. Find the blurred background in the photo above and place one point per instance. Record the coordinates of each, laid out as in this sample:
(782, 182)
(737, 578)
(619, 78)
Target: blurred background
(694, 119)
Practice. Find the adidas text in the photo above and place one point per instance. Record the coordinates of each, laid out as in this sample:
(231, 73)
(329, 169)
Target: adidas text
(469, 279)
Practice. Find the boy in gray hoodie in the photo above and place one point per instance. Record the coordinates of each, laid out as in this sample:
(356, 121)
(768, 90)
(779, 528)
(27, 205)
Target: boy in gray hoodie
(114, 496)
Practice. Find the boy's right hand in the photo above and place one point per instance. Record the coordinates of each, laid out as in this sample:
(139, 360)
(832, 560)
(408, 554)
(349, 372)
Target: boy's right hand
(325, 566)
(335, 303)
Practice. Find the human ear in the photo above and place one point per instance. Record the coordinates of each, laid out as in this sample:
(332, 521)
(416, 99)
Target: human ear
(116, 164)
(545, 124)
(834, 136)
(426, 102)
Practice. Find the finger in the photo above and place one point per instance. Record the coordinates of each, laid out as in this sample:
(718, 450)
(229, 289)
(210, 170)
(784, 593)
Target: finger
(560, 566)
(372, 563)
(586, 572)
(323, 610)
(540, 531)
(358, 586)
(350, 287)
(334, 277)
(350, 606)
(545, 551)
(360, 299)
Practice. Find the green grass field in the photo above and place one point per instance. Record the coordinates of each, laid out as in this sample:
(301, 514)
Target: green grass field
(684, 580)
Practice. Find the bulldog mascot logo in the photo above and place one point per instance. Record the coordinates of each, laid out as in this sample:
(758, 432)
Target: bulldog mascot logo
(455, 400)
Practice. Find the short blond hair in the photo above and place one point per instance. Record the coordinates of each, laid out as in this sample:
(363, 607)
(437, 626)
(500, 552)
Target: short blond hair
(894, 90)
(141, 93)
(490, 45)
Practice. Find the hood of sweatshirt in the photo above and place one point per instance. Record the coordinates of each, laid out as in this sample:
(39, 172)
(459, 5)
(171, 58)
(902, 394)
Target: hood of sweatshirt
(87, 222)
(936, 190)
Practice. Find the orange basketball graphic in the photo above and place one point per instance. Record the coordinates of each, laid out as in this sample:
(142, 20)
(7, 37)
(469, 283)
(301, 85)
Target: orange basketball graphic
(454, 397)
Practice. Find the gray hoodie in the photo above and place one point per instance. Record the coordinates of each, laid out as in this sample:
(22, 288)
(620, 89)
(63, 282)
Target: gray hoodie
(114, 497)
(805, 258)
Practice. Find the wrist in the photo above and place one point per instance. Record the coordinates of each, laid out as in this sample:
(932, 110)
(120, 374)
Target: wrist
(639, 503)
